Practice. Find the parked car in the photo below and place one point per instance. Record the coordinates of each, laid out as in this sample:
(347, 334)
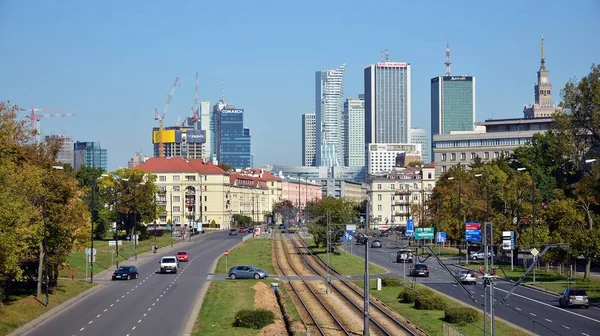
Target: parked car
(419, 270)
(573, 297)
(233, 232)
(182, 256)
(169, 264)
(376, 243)
(479, 255)
(242, 230)
(466, 276)
(247, 272)
(250, 230)
(125, 272)
(404, 256)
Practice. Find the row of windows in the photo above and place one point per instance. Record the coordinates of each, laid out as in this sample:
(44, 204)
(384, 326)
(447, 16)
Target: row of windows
(482, 143)
(473, 155)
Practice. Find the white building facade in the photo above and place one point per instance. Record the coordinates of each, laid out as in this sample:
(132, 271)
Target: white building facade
(309, 139)
(329, 105)
(382, 157)
(354, 127)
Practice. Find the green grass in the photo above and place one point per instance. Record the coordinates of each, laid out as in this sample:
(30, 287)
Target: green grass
(289, 304)
(447, 251)
(432, 320)
(221, 303)
(344, 262)
(542, 277)
(24, 307)
(254, 252)
(104, 256)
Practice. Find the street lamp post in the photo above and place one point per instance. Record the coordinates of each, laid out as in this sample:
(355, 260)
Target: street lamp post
(461, 224)
(533, 219)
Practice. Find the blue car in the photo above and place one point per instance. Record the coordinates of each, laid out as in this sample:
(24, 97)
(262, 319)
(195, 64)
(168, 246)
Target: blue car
(247, 272)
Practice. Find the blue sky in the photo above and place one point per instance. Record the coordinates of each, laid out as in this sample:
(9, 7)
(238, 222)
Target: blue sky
(113, 62)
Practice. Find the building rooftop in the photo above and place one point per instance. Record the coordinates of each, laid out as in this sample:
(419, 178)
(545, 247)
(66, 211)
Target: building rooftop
(513, 121)
(178, 164)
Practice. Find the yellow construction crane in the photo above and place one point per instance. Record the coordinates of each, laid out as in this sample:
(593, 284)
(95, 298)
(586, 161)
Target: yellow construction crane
(161, 118)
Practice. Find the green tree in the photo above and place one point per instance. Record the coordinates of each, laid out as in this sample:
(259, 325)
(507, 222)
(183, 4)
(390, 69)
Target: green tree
(285, 209)
(340, 211)
(226, 167)
(241, 220)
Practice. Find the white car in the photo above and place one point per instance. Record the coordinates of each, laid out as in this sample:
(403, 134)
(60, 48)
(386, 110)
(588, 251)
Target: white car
(467, 277)
(169, 264)
(479, 255)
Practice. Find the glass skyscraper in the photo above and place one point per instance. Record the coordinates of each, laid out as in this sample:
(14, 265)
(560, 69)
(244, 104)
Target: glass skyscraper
(89, 154)
(387, 102)
(354, 127)
(452, 104)
(233, 140)
(329, 105)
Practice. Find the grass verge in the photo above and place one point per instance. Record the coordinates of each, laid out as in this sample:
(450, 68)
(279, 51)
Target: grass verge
(105, 258)
(254, 252)
(24, 307)
(545, 278)
(344, 262)
(432, 321)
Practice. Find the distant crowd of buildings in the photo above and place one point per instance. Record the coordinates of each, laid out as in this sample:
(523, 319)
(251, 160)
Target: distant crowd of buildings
(79, 153)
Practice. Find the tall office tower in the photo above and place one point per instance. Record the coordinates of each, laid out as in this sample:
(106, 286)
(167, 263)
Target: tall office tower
(354, 131)
(89, 154)
(387, 102)
(65, 154)
(233, 140)
(205, 126)
(543, 106)
(329, 103)
(420, 136)
(213, 127)
(309, 139)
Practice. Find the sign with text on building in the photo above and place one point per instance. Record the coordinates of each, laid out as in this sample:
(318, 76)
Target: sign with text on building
(195, 136)
(236, 111)
(391, 65)
(473, 232)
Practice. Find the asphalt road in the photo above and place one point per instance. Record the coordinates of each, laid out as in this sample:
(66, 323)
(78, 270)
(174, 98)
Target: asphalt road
(154, 304)
(530, 309)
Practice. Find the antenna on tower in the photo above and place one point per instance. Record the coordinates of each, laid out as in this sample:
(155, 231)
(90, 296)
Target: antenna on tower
(447, 60)
(543, 56)
(223, 90)
(385, 55)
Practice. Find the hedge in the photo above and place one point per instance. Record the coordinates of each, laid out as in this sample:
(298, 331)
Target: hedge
(409, 295)
(460, 315)
(430, 301)
(391, 282)
(256, 319)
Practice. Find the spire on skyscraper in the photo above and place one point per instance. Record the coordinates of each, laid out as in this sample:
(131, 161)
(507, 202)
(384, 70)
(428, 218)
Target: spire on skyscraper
(543, 66)
(385, 55)
(223, 90)
(447, 60)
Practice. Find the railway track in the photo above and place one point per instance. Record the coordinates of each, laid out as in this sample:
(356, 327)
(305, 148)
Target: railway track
(383, 321)
(324, 320)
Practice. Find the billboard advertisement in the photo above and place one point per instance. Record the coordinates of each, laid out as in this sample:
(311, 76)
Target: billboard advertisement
(195, 136)
(168, 136)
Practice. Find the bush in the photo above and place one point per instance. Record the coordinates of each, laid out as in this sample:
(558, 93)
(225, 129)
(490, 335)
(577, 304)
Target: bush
(156, 233)
(429, 301)
(391, 282)
(256, 319)
(460, 316)
(408, 295)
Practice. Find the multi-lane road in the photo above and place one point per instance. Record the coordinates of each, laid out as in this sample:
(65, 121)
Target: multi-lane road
(530, 309)
(153, 304)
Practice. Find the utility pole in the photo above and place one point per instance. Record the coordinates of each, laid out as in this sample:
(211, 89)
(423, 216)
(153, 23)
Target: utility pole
(92, 233)
(366, 290)
(533, 219)
(328, 251)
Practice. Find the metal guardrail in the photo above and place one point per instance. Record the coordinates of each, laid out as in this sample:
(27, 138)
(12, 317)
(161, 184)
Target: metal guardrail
(449, 330)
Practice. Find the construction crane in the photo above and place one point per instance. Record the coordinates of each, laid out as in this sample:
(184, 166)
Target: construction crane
(196, 106)
(35, 119)
(161, 118)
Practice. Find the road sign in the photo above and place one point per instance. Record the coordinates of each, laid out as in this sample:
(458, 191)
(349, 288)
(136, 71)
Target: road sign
(535, 252)
(424, 233)
(226, 253)
(113, 243)
(473, 232)
(508, 240)
(89, 251)
(441, 237)
(348, 235)
(410, 228)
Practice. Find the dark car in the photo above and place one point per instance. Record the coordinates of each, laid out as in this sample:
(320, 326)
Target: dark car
(376, 243)
(361, 240)
(250, 230)
(419, 270)
(281, 226)
(233, 232)
(125, 272)
(573, 297)
(247, 272)
(404, 256)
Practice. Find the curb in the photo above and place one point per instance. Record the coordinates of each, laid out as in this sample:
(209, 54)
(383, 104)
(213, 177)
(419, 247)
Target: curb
(24, 329)
(189, 326)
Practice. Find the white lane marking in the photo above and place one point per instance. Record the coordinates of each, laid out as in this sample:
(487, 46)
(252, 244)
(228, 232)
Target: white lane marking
(117, 300)
(133, 328)
(149, 309)
(157, 299)
(139, 321)
(584, 334)
(112, 304)
(548, 320)
(105, 309)
(532, 314)
(564, 326)
(122, 296)
(97, 315)
(154, 303)
(91, 322)
(551, 306)
(161, 295)
(145, 315)
(127, 293)
(519, 309)
(81, 329)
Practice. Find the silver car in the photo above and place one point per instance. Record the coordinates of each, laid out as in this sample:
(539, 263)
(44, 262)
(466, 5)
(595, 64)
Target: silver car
(376, 244)
(573, 297)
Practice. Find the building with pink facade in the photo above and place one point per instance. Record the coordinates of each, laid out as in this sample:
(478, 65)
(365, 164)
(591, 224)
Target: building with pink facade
(300, 191)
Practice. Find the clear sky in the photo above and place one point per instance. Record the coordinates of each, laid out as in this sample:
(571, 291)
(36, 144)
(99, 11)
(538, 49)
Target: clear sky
(113, 62)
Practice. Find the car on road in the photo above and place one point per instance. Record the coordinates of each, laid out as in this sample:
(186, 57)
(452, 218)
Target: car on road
(233, 232)
(281, 226)
(573, 297)
(250, 230)
(247, 272)
(169, 264)
(182, 256)
(466, 277)
(361, 240)
(419, 270)
(242, 230)
(404, 256)
(480, 255)
(376, 243)
(125, 272)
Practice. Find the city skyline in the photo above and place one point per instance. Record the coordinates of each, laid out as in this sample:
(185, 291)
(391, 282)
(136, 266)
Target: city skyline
(116, 82)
